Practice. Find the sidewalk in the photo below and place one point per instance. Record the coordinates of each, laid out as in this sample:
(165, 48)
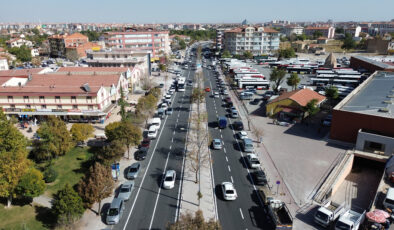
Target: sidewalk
(189, 198)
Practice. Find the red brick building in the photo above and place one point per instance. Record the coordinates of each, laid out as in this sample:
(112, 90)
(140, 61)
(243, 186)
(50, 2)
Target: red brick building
(59, 43)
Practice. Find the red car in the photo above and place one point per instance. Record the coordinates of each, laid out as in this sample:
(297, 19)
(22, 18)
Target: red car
(207, 89)
(145, 143)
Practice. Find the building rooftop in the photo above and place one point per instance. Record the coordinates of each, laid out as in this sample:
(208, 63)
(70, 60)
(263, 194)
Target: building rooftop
(375, 96)
(376, 61)
(78, 70)
(301, 96)
(20, 72)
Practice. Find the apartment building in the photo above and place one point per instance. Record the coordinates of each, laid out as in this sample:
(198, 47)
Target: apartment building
(59, 43)
(380, 28)
(326, 31)
(289, 30)
(258, 40)
(353, 30)
(18, 42)
(70, 97)
(3, 63)
(155, 42)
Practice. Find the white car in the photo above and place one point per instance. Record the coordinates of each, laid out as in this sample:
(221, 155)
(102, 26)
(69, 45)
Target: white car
(216, 94)
(253, 161)
(169, 179)
(225, 92)
(152, 132)
(168, 96)
(164, 106)
(242, 135)
(172, 90)
(229, 192)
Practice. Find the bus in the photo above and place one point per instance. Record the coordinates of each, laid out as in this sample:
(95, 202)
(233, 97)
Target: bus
(181, 84)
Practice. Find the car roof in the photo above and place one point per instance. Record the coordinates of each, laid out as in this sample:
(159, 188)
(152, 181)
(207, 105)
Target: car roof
(152, 128)
(116, 203)
(252, 155)
(228, 185)
(216, 140)
(244, 133)
(135, 165)
(170, 172)
(127, 184)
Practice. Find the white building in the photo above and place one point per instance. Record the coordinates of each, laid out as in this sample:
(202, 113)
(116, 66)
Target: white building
(289, 30)
(34, 52)
(18, 42)
(354, 31)
(3, 63)
(258, 40)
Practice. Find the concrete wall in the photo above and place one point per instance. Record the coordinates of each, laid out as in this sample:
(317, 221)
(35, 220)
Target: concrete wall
(347, 168)
(365, 136)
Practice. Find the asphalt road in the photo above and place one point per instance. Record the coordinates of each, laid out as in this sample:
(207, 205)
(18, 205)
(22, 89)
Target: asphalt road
(247, 211)
(150, 206)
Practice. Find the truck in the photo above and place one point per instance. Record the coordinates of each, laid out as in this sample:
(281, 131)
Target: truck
(222, 122)
(350, 220)
(328, 212)
(280, 215)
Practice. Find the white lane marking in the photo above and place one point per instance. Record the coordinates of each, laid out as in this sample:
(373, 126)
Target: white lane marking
(173, 133)
(220, 130)
(242, 215)
(226, 159)
(224, 149)
(232, 181)
(221, 136)
(158, 194)
(143, 178)
(172, 140)
(228, 166)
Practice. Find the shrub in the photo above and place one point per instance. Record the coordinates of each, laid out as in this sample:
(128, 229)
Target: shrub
(50, 175)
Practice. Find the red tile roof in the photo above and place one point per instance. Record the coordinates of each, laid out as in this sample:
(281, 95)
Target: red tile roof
(19, 72)
(317, 28)
(93, 69)
(301, 96)
(242, 30)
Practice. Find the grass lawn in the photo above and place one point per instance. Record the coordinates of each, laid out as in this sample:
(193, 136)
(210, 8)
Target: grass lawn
(69, 168)
(24, 217)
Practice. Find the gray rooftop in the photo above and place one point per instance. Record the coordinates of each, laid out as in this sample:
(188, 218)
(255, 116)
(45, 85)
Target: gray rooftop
(373, 97)
(374, 62)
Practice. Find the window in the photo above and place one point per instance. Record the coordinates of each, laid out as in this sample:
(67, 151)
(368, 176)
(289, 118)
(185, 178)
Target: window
(43, 106)
(106, 56)
(28, 106)
(89, 99)
(10, 98)
(57, 98)
(75, 106)
(42, 99)
(90, 107)
(59, 106)
(26, 98)
(73, 99)
(12, 106)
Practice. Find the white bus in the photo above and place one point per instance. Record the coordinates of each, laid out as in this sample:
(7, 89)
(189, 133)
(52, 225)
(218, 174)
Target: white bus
(181, 84)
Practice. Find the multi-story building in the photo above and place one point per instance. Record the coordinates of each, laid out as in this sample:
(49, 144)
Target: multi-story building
(70, 97)
(59, 43)
(326, 31)
(156, 42)
(3, 63)
(353, 30)
(258, 40)
(18, 42)
(374, 28)
(292, 29)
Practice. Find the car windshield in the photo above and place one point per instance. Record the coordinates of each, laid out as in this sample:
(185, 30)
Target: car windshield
(133, 169)
(169, 178)
(113, 212)
(125, 190)
(342, 226)
(230, 191)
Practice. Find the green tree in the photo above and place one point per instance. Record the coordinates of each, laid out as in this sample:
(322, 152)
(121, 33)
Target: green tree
(81, 132)
(72, 55)
(67, 206)
(92, 35)
(146, 106)
(277, 76)
(31, 184)
(122, 102)
(111, 152)
(197, 95)
(286, 53)
(97, 185)
(317, 34)
(131, 135)
(162, 67)
(22, 53)
(196, 222)
(339, 30)
(311, 108)
(112, 131)
(13, 166)
(11, 140)
(182, 44)
(248, 55)
(226, 54)
(293, 80)
(331, 93)
(301, 37)
(348, 42)
(55, 139)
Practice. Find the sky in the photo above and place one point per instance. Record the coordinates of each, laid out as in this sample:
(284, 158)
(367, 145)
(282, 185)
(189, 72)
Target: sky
(201, 11)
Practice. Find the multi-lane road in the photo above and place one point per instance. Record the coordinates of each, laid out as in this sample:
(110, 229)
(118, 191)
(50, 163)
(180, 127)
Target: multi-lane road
(150, 206)
(247, 211)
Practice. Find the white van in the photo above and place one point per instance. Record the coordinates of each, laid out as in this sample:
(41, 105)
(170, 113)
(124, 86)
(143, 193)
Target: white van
(152, 132)
(389, 200)
(155, 122)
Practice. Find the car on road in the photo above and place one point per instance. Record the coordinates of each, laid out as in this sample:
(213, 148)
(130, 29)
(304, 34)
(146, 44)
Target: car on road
(152, 132)
(259, 177)
(327, 121)
(161, 85)
(229, 192)
(164, 106)
(216, 144)
(242, 135)
(216, 94)
(169, 179)
(238, 125)
(133, 171)
(169, 111)
(207, 89)
(125, 190)
(168, 96)
(115, 211)
(247, 145)
(172, 89)
(225, 92)
(145, 143)
(234, 113)
(253, 161)
(141, 154)
(255, 101)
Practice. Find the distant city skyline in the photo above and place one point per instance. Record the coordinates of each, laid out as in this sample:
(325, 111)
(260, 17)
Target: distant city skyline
(203, 11)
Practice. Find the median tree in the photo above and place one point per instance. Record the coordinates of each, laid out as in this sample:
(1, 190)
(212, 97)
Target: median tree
(277, 76)
(196, 222)
(67, 206)
(293, 80)
(96, 185)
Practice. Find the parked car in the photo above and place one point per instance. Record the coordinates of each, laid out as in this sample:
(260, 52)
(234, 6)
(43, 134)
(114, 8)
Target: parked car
(207, 89)
(141, 154)
(234, 113)
(253, 161)
(242, 135)
(133, 171)
(229, 192)
(161, 85)
(115, 211)
(255, 101)
(125, 190)
(327, 121)
(169, 179)
(152, 132)
(259, 177)
(247, 145)
(238, 125)
(217, 144)
(169, 111)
